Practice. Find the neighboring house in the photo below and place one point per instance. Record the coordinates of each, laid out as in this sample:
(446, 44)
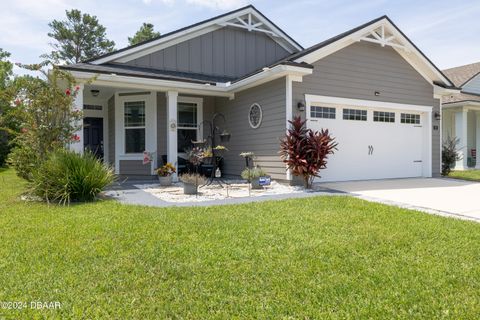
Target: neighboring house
(371, 86)
(461, 113)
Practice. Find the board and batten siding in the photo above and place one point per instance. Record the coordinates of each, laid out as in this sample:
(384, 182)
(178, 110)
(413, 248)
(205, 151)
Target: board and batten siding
(226, 52)
(357, 71)
(263, 141)
(111, 130)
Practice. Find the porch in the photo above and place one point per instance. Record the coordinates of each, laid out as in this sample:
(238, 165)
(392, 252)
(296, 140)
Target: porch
(463, 122)
(121, 123)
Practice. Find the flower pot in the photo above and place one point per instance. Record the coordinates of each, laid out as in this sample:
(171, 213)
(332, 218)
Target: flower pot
(225, 137)
(256, 184)
(189, 188)
(165, 181)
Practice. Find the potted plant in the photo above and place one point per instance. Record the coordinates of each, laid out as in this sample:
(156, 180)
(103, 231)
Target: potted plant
(220, 150)
(225, 136)
(191, 181)
(165, 173)
(207, 156)
(252, 175)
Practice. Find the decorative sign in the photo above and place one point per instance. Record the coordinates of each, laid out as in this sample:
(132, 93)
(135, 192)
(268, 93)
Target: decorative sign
(147, 157)
(264, 181)
(255, 116)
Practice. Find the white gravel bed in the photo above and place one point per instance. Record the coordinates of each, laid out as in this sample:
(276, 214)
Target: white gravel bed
(233, 189)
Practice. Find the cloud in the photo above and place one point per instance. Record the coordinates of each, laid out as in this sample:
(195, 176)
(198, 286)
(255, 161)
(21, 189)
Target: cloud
(218, 4)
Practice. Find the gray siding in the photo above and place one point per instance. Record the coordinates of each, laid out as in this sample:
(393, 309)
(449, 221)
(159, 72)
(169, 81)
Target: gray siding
(263, 141)
(229, 52)
(134, 167)
(111, 130)
(473, 86)
(359, 70)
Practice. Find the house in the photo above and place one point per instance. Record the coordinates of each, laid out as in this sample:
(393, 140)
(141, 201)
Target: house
(371, 86)
(461, 114)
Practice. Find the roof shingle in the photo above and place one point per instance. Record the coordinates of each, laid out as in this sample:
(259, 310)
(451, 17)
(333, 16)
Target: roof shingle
(460, 75)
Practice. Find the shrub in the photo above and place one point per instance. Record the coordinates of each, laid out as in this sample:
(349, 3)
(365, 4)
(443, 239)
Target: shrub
(68, 176)
(306, 151)
(450, 155)
(253, 173)
(193, 178)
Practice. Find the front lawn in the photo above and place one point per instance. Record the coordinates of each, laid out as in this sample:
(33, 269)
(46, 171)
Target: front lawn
(470, 175)
(315, 258)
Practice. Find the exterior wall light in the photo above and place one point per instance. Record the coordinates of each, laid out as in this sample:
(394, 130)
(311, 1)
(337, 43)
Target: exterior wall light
(301, 106)
(437, 116)
(95, 92)
(377, 93)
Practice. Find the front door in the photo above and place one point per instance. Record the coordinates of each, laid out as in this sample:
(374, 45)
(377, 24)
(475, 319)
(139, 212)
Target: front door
(93, 136)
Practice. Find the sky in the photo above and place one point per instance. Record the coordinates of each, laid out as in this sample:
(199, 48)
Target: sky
(446, 31)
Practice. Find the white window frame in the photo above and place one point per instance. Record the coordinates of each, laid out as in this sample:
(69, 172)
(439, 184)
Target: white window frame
(150, 128)
(199, 130)
(125, 128)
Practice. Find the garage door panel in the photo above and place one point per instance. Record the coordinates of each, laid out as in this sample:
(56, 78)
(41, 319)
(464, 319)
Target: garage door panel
(372, 150)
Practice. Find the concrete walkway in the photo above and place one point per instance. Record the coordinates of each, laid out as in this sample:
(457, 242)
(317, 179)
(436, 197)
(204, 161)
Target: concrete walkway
(442, 196)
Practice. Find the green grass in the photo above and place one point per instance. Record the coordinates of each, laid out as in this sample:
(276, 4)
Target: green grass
(316, 258)
(470, 175)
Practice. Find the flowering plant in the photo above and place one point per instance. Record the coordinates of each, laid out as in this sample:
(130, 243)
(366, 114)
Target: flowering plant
(166, 170)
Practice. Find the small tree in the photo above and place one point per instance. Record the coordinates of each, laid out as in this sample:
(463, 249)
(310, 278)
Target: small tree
(78, 38)
(450, 155)
(6, 127)
(146, 32)
(43, 108)
(306, 151)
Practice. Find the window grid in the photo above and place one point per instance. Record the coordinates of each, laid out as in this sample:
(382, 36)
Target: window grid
(322, 112)
(410, 118)
(380, 116)
(134, 117)
(355, 114)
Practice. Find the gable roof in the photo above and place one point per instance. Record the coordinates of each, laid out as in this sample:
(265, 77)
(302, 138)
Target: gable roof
(367, 32)
(463, 74)
(221, 20)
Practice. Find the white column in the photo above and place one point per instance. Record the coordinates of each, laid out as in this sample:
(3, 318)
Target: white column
(78, 105)
(461, 135)
(289, 112)
(172, 97)
(477, 141)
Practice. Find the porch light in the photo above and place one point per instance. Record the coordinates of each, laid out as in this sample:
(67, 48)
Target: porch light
(301, 106)
(377, 93)
(95, 92)
(437, 116)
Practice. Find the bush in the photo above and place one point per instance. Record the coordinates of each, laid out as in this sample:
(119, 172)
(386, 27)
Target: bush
(450, 155)
(306, 151)
(4, 149)
(68, 176)
(253, 173)
(24, 160)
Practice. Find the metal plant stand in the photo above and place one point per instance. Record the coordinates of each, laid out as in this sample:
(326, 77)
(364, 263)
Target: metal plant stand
(216, 156)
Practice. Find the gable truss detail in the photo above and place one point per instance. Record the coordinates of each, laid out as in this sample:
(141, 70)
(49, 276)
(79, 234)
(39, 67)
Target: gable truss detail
(382, 36)
(250, 23)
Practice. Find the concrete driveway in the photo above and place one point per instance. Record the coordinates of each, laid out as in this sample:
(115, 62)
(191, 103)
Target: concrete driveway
(442, 196)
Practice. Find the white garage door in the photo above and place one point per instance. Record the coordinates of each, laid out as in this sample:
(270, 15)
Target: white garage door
(373, 143)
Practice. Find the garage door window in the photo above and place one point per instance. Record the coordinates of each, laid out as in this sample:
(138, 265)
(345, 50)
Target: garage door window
(410, 118)
(380, 116)
(355, 114)
(322, 112)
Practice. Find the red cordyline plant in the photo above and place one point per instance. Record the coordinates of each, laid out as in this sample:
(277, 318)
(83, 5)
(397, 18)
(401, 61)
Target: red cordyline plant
(306, 151)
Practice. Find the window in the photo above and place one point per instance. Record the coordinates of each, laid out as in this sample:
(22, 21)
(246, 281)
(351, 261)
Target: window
(380, 116)
(355, 114)
(322, 112)
(187, 125)
(92, 107)
(255, 115)
(134, 118)
(410, 118)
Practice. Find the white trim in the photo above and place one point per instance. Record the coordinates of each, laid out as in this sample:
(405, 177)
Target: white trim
(135, 52)
(220, 90)
(150, 129)
(309, 98)
(426, 69)
(289, 112)
(78, 105)
(172, 143)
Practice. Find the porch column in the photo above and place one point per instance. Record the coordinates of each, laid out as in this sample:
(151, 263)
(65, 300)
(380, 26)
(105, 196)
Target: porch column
(477, 141)
(78, 105)
(461, 135)
(172, 129)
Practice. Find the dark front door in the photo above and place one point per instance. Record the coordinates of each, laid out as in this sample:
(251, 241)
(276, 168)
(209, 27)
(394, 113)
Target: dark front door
(93, 136)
